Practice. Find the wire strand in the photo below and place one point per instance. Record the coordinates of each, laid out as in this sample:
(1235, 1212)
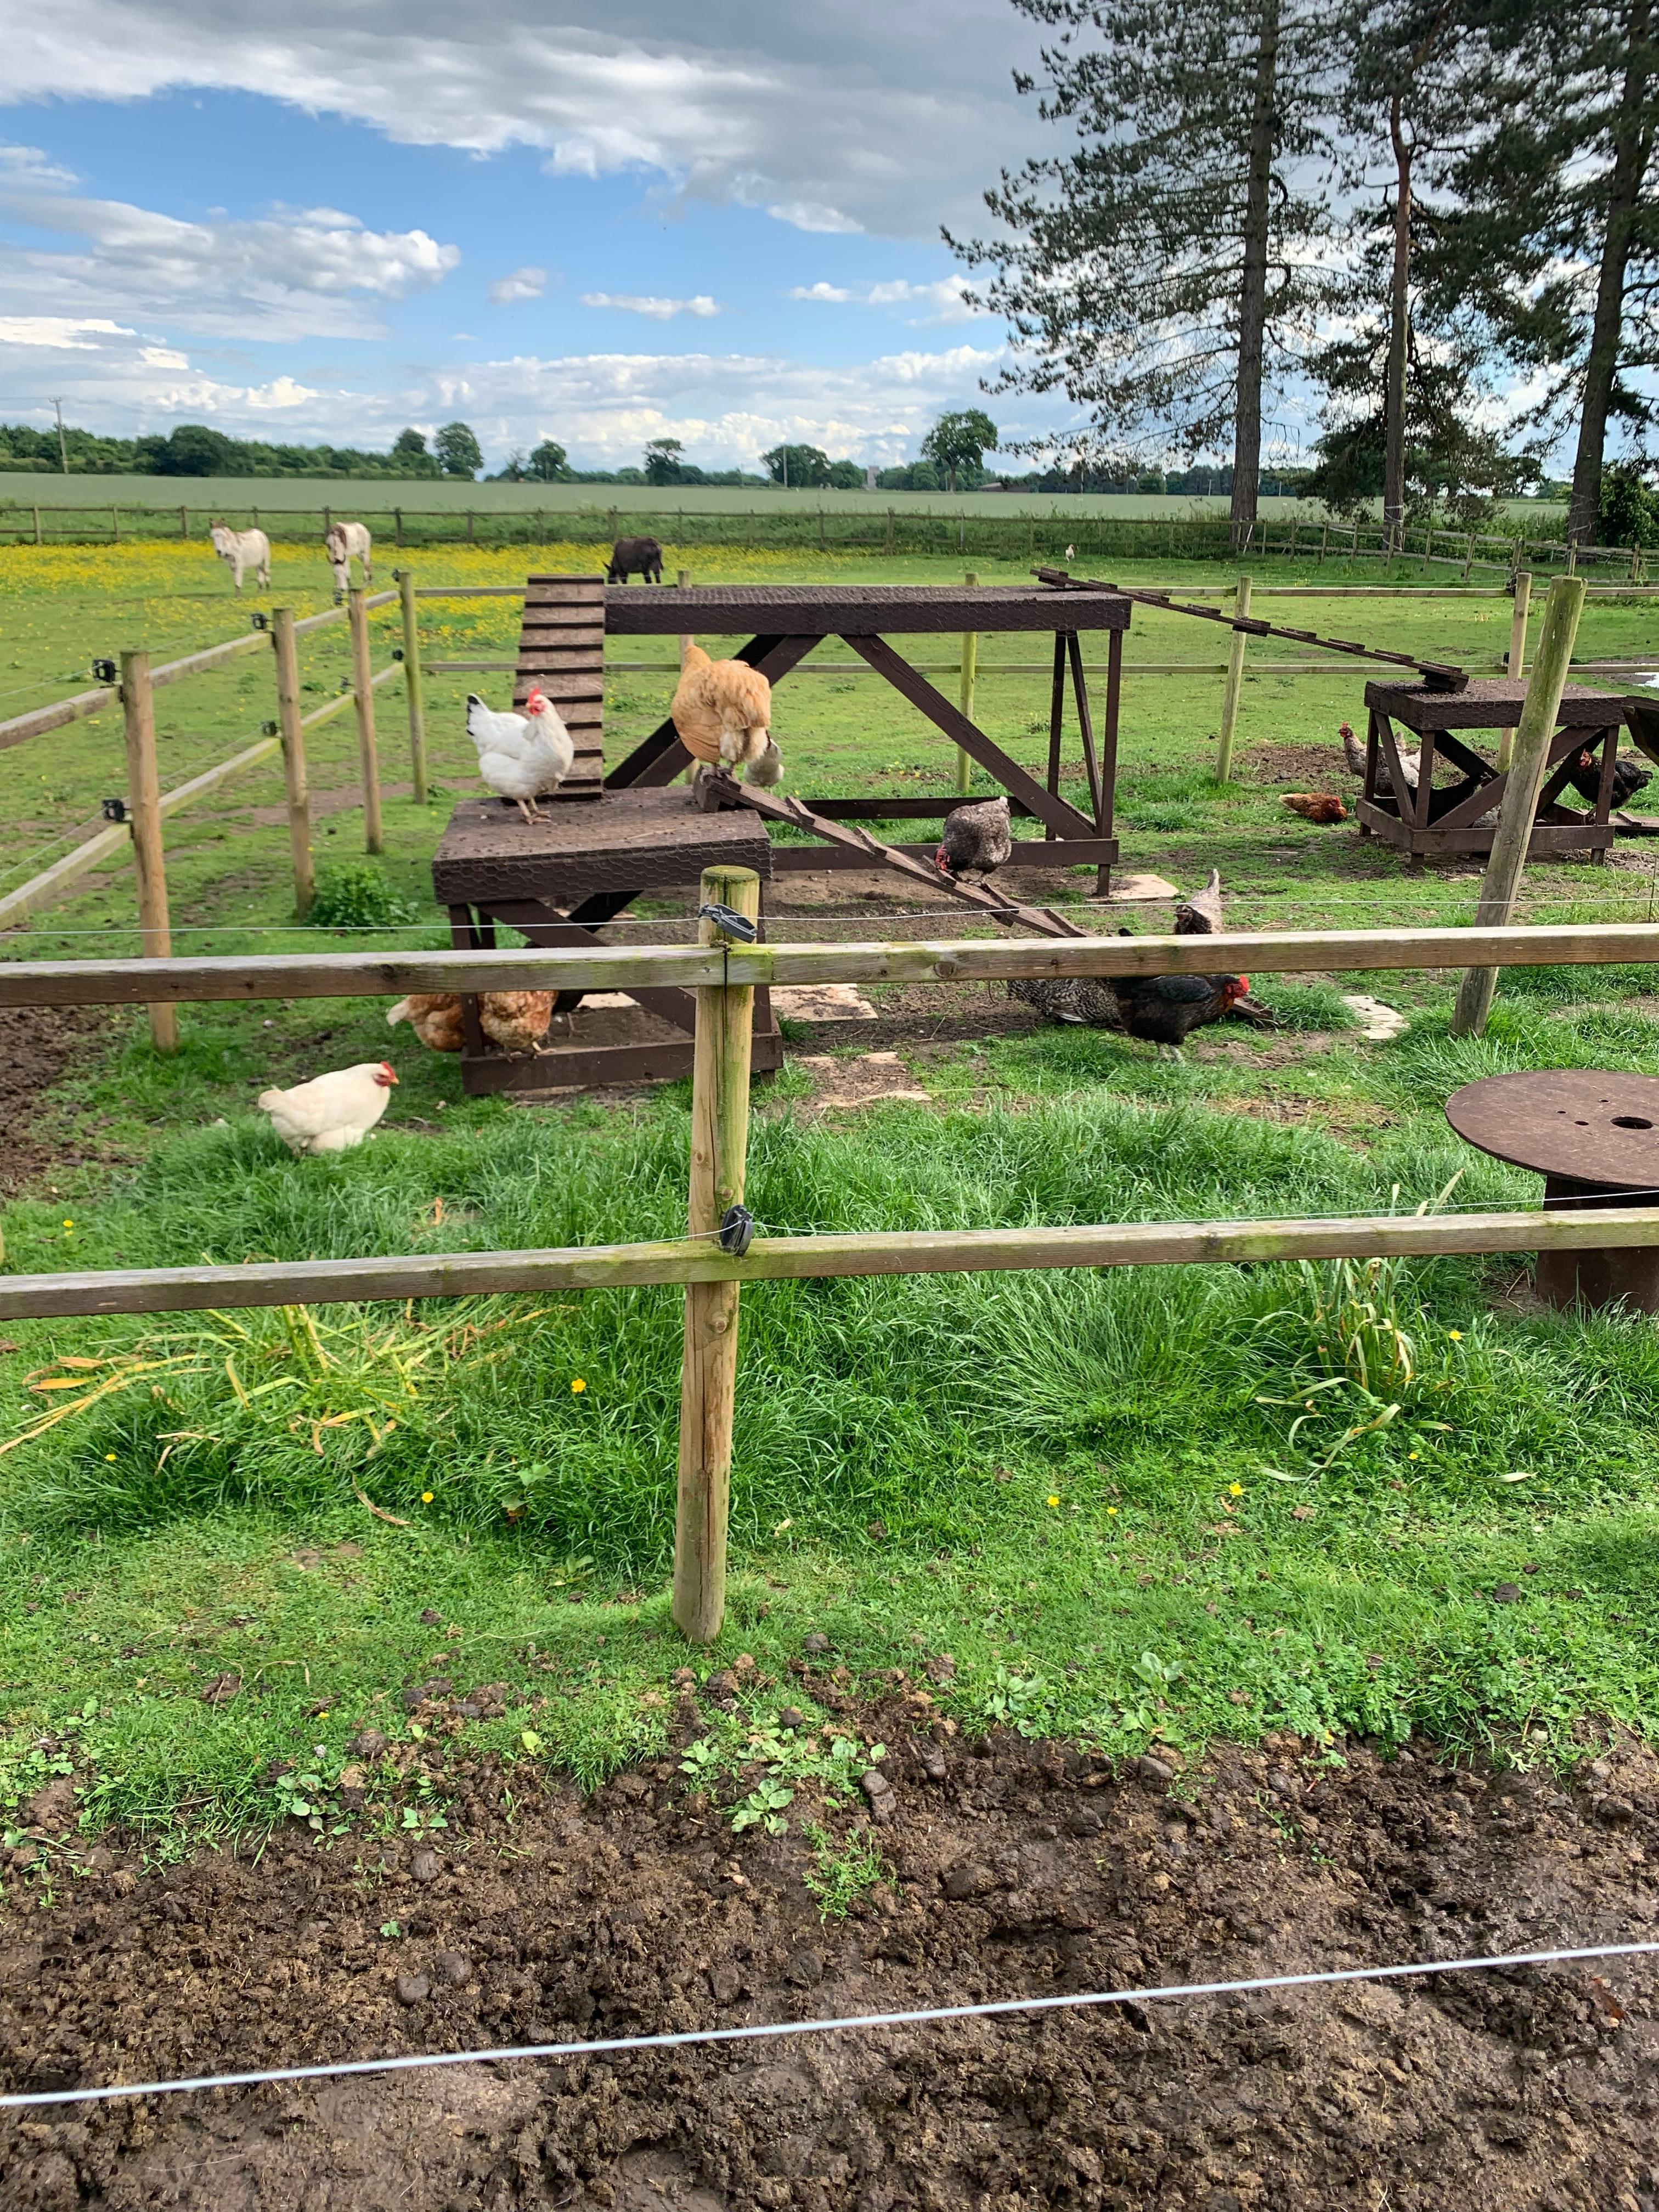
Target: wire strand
(920, 2016)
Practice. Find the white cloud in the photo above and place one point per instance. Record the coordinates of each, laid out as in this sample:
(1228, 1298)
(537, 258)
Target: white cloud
(944, 296)
(65, 333)
(28, 166)
(521, 284)
(660, 310)
(811, 214)
(727, 407)
(297, 273)
(863, 117)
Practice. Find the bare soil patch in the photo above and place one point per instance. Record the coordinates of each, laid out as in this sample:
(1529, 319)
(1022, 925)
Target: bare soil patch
(1016, 1869)
(37, 1045)
(1303, 768)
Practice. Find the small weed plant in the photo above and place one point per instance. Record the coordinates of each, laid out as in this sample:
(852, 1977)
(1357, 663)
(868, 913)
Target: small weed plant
(842, 1871)
(356, 895)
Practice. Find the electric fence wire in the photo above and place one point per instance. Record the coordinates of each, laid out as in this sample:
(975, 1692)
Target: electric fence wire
(924, 2015)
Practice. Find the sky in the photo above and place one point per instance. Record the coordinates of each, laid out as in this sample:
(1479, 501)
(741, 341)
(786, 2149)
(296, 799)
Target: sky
(597, 223)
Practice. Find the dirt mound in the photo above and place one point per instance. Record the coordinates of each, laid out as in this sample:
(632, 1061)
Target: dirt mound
(1014, 1869)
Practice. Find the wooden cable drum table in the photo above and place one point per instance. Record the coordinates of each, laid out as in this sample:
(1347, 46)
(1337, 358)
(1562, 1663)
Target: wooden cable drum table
(1460, 818)
(1594, 1137)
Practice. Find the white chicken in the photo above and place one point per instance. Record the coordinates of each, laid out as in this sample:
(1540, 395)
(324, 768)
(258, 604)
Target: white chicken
(522, 757)
(333, 1112)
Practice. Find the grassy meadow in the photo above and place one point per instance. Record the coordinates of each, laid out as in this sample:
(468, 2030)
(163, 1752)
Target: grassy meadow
(1133, 1504)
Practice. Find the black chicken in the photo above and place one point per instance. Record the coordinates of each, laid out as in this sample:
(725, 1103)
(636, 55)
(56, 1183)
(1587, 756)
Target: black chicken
(976, 843)
(1160, 1009)
(1585, 777)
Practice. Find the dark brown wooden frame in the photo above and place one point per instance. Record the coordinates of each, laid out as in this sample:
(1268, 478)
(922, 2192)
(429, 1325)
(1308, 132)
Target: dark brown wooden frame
(1447, 823)
(859, 615)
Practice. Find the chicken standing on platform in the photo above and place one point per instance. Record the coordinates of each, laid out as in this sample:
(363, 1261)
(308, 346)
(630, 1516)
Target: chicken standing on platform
(517, 1021)
(976, 843)
(333, 1112)
(522, 757)
(722, 710)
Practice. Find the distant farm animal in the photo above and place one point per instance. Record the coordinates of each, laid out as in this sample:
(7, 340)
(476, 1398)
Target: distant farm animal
(342, 541)
(1585, 777)
(243, 549)
(630, 553)
(722, 710)
(977, 841)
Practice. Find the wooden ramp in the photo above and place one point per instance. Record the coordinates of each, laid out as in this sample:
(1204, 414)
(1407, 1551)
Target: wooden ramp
(561, 652)
(717, 788)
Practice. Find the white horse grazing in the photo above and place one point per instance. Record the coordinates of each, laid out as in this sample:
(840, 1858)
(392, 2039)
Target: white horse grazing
(243, 549)
(342, 540)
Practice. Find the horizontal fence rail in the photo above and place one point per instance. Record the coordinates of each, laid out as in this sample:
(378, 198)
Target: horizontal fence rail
(799, 1259)
(968, 960)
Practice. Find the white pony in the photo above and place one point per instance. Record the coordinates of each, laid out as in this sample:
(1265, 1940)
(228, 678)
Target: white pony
(243, 549)
(342, 541)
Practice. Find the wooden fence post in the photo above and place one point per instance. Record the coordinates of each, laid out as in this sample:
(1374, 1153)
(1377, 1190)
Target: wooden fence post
(398, 526)
(1230, 697)
(681, 578)
(362, 694)
(720, 1140)
(1520, 802)
(144, 799)
(412, 685)
(184, 522)
(965, 695)
(291, 732)
(1516, 663)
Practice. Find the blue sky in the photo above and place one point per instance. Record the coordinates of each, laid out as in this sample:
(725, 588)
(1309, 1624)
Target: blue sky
(602, 227)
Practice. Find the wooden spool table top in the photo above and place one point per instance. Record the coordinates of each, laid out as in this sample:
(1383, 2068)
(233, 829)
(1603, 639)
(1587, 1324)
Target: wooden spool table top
(1584, 1126)
(1491, 702)
(628, 840)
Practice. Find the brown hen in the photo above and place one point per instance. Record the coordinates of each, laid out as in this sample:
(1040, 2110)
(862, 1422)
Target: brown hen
(517, 1021)
(722, 710)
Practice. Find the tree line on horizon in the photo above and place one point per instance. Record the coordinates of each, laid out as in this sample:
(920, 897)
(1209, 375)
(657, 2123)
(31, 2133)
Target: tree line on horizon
(1409, 208)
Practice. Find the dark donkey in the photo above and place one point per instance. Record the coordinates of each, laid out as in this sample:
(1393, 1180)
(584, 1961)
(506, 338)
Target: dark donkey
(629, 553)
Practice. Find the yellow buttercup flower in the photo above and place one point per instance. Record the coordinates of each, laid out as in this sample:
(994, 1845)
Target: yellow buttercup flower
(1053, 1501)
(426, 1497)
(577, 1384)
(1235, 1490)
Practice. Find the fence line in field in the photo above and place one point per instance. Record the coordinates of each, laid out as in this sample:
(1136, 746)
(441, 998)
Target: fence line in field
(892, 531)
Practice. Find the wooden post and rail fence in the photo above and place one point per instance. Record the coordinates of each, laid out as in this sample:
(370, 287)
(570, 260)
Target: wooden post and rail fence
(723, 975)
(146, 805)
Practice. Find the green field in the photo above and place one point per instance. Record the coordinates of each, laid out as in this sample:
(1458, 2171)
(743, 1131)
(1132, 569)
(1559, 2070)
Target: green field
(1090, 1487)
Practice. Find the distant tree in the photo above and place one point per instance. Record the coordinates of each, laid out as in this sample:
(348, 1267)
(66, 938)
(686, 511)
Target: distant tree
(663, 464)
(1629, 510)
(549, 463)
(802, 468)
(194, 450)
(957, 442)
(513, 470)
(846, 475)
(409, 446)
(1165, 271)
(458, 452)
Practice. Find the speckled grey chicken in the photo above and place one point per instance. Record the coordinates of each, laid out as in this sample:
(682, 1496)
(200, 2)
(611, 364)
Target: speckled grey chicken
(1201, 916)
(1355, 754)
(977, 841)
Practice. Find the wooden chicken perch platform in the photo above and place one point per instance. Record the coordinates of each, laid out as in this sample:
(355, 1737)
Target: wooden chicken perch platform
(560, 881)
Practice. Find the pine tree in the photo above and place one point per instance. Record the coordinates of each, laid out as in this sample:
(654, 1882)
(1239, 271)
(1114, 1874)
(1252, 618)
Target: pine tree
(1166, 273)
(1556, 240)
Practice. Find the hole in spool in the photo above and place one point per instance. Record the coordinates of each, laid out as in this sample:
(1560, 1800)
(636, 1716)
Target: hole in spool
(1631, 1122)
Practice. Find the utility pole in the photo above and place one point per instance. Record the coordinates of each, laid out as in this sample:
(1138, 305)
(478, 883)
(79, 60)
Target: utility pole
(62, 443)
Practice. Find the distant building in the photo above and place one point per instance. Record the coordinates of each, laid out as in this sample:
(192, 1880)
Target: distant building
(873, 478)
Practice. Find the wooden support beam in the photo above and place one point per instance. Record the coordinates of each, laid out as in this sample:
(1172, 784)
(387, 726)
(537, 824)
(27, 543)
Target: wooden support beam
(362, 699)
(965, 698)
(1533, 736)
(708, 1373)
(1235, 687)
(802, 1259)
(291, 729)
(1065, 820)
(250, 977)
(144, 804)
(412, 687)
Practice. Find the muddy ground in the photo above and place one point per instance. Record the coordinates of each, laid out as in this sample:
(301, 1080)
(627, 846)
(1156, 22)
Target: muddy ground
(1013, 1867)
(36, 1044)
